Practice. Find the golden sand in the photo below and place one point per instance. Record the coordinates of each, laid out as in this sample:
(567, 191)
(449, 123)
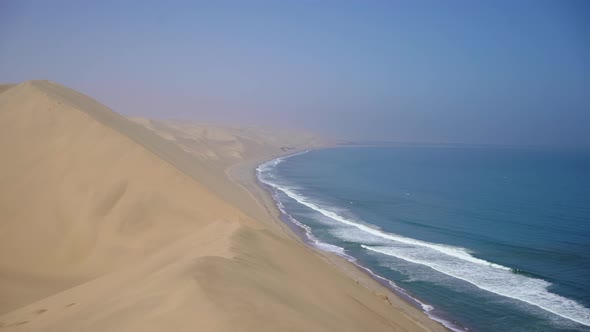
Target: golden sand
(116, 224)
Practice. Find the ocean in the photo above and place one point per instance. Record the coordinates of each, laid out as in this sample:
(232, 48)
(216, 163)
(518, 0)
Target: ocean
(482, 239)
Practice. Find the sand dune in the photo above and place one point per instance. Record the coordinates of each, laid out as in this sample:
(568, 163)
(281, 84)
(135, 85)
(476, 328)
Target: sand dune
(108, 224)
(79, 198)
(4, 87)
(228, 145)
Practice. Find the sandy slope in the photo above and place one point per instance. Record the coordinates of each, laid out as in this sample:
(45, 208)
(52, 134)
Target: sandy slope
(108, 224)
(4, 87)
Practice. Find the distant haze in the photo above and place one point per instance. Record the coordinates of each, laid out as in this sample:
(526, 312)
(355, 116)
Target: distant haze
(499, 72)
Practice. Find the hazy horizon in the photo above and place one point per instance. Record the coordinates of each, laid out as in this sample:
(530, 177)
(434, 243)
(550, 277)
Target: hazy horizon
(415, 71)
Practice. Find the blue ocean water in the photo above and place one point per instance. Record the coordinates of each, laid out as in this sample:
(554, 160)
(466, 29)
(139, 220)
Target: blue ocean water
(486, 239)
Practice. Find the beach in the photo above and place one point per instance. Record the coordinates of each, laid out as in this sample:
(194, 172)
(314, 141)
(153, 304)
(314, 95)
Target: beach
(458, 230)
(124, 224)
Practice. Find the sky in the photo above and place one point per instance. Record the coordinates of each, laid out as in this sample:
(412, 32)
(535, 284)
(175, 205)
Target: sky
(483, 72)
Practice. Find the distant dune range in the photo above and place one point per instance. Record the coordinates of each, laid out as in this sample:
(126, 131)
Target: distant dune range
(116, 224)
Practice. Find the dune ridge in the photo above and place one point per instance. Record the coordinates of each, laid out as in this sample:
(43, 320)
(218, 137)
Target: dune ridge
(113, 224)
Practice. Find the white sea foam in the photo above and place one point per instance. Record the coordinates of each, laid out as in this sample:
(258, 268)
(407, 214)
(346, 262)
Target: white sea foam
(309, 235)
(263, 171)
(428, 309)
(456, 252)
(452, 261)
(273, 163)
(498, 281)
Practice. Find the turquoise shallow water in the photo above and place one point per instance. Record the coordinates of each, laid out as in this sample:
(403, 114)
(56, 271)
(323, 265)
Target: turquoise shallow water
(487, 239)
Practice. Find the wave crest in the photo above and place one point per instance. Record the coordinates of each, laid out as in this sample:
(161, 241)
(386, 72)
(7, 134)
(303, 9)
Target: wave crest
(452, 261)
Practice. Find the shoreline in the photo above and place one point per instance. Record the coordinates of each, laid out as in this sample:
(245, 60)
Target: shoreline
(244, 174)
(151, 234)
